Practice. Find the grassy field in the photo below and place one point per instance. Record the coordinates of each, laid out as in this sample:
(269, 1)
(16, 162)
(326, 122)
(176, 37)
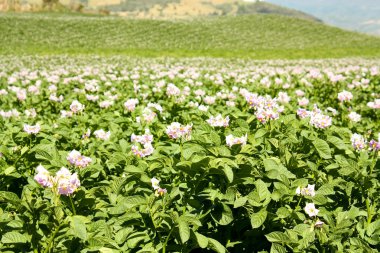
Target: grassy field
(253, 36)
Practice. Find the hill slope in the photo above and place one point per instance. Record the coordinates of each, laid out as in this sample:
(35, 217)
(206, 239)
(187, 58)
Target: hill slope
(156, 9)
(258, 36)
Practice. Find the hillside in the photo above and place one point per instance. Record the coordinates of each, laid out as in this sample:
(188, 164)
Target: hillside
(258, 36)
(156, 9)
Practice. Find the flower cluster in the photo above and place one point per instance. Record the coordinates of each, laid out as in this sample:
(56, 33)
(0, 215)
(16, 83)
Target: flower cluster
(32, 129)
(75, 158)
(156, 186)
(76, 107)
(307, 191)
(345, 96)
(145, 141)
(130, 104)
(266, 107)
(218, 121)
(231, 140)
(64, 182)
(175, 130)
(102, 135)
(359, 143)
(317, 118)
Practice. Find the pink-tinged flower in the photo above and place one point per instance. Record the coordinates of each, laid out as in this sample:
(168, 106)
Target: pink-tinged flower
(345, 96)
(219, 121)
(30, 113)
(66, 182)
(148, 115)
(231, 140)
(142, 139)
(300, 93)
(53, 97)
(103, 135)
(302, 113)
(358, 142)
(303, 102)
(354, 117)
(21, 94)
(87, 134)
(203, 108)
(92, 98)
(75, 158)
(230, 103)
(160, 192)
(308, 191)
(155, 106)
(283, 97)
(311, 210)
(146, 151)
(66, 114)
(43, 177)
(175, 130)
(76, 106)
(318, 224)
(319, 120)
(374, 145)
(375, 104)
(106, 103)
(32, 129)
(130, 104)
(172, 90)
(209, 100)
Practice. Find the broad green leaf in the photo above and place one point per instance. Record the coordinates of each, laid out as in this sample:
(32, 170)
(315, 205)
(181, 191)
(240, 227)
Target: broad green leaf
(215, 245)
(277, 248)
(78, 227)
(13, 237)
(323, 148)
(240, 202)
(202, 240)
(229, 173)
(277, 237)
(257, 219)
(184, 230)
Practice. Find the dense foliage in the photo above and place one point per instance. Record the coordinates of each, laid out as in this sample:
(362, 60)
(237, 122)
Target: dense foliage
(129, 155)
(257, 36)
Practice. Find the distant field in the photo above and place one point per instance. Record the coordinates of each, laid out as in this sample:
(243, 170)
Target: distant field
(256, 36)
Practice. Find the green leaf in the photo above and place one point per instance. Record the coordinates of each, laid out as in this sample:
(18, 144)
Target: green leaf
(78, 227)
(337, 142)
(277, 248)
(229, 173)
(277, 237)
(257, 219)
(323, 148)
(184, 230)
(13, 237)
(262, 190)
(202, 240)
(133, 201)
(215, 245)
(240, 202)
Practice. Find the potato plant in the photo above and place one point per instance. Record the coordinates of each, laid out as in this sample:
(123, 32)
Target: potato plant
(167, 155)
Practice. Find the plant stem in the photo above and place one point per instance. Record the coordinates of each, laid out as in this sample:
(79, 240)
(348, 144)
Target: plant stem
(166, 241)
(72, 205)
(51, 239)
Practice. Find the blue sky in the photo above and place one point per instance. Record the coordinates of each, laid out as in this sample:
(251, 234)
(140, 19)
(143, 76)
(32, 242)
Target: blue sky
(358, 15)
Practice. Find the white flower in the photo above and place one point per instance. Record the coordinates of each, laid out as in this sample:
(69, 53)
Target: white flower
(101, 134)
(155, 183)
(355, 117)
(76, 106)
(32, 129)
(311, 210)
